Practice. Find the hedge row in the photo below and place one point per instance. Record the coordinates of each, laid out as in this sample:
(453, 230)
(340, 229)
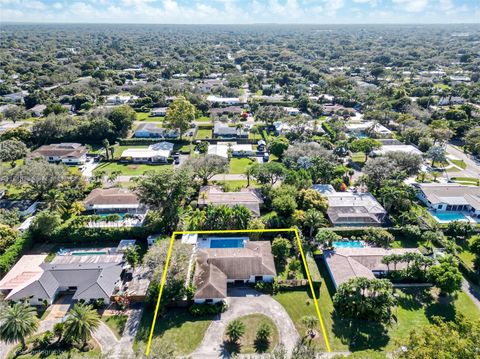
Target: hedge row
(313, 269)
(468, 273)
(149, 141)
(328, 129)
(14, 252)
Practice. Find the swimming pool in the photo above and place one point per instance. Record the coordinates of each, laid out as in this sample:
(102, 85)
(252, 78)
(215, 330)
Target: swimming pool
(227, 243)
(449, 216)
(348, 244)
(87, 253)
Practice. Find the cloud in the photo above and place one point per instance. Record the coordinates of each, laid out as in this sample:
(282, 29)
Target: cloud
(412, 5)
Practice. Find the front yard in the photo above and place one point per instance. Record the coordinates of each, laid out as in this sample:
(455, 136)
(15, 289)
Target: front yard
(177, 327)
(239, 165)
(116, 323)
(128, 169)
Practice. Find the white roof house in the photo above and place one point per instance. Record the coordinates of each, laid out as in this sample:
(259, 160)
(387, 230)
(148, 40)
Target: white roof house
(221, 149)
(159, 152)
(396, 148)
(224, 100)
(362, 127)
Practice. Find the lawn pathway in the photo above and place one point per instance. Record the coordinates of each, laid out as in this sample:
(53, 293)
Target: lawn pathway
(124, 348)
(241, 302)
(472, 291)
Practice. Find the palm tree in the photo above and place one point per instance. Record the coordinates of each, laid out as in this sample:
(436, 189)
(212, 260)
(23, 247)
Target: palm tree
(313, 219)
(235, 330)
(113, 176)
(106, 145)
(18, 322)
(81, 322)
(250, 172)
(310, 322)
(76, 208)
(56, 201)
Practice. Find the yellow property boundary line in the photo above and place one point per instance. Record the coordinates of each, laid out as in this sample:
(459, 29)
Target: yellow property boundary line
(169, 254)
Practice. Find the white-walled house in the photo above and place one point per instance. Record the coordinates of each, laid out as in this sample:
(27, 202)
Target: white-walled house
(449, 197)
(157, 153)
(67, 153)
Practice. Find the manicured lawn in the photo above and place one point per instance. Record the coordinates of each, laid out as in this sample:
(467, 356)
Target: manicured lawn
(239, 165)
(203, 133)
(358, 157)
(459, 163)
(145, 116)
(177, 327)
(235, 185)
(441, 86)
(203, 119)
(129, 169)
(298, 304)
(118, 150)
(416, 307)
(466, 180)
(254, 136)
(116, 323)
(248, 344)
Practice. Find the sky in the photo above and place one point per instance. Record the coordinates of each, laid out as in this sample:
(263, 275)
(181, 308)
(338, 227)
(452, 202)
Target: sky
(241, 11)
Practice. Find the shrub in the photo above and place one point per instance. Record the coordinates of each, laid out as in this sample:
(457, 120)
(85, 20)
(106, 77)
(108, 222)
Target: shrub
(199, 310)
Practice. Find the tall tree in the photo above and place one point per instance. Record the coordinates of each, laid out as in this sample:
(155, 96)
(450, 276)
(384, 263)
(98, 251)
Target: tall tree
(205, 167)
(81, 322)
(180, 115)
(17, 322)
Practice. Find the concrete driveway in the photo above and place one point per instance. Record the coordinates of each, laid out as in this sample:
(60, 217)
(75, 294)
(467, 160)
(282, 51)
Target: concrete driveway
(241, 302)
(472, 169)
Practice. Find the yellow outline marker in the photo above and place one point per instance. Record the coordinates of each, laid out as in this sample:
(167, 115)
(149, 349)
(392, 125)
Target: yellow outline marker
(169, 254)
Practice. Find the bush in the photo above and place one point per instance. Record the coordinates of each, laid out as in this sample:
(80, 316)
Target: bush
(14, 252)
(200, 310)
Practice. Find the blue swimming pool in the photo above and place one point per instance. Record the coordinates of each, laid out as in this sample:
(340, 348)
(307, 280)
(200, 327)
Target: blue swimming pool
(226, 243)
(348, 244)
(449, 216)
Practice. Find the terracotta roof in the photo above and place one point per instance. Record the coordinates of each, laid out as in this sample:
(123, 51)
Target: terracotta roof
(111, 196)
(62, 150)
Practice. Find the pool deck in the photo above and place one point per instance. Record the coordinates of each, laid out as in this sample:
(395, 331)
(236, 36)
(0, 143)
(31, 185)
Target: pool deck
(206, 242)
(466, 217)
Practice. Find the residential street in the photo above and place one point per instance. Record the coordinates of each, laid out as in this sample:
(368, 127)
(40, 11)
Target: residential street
(473, 168)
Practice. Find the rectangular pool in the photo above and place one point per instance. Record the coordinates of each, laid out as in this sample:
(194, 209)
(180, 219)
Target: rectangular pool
(227, 243)
(348, 244)
(87, 253)
(449, 216)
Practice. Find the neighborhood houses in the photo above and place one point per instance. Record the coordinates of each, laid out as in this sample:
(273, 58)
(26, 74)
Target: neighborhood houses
(218, 191)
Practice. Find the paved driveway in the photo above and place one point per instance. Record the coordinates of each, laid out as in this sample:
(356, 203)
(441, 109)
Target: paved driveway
(241, 302)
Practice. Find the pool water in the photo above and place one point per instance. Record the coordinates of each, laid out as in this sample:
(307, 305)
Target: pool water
(122, 215)
(348, 244)
(449, 216)
(226, 243)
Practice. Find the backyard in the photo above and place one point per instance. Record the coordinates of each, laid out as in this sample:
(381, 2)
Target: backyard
(145, 117)
(239, 165)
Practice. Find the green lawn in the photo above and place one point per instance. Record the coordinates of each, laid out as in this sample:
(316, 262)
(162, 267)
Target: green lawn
(248, 344)
(145, 116)
(441, 86)
(299, 303)
(235, 185)
(466, 180)
(203, 133)
(416, 307)
(129, 169)
(203, 119)
(239, 165)
(459, 163)
(358, 157)
(176, 327)
(116, 323)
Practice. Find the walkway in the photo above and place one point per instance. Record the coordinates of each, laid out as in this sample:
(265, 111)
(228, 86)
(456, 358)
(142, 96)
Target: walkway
(241, 302)
(106, 339)
(124, 348)
(472, 291)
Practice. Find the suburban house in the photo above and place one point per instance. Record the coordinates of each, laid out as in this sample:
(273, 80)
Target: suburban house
(159, 111)
(17, 97)
(451, 100)
(450, 197)
(156, 153)
(221, 130)
(149, 130)
(224, 100)
(352, 209)
(344, 264)
(396, 148)
(113, 200)
(68, 153)
(237, 150)
(116, 100)
(248, 197)
(229, 111)
(366, 129)
(87, 277)
(25, 207)
(215, 267)
(37, 111)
